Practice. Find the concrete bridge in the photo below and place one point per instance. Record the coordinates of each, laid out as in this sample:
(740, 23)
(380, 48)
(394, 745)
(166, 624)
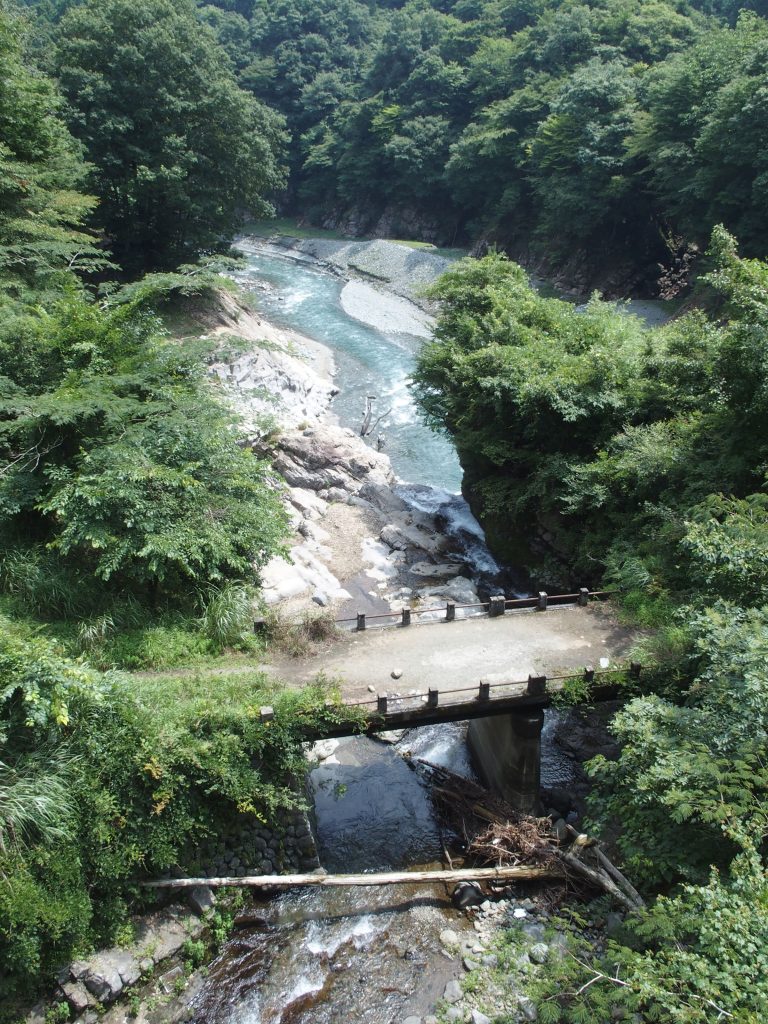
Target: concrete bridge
(505, 723)
(490, 670)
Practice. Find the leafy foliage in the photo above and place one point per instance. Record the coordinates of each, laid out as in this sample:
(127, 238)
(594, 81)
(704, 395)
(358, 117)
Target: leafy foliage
(177, 149)
(105, 781)
(614, 439)
(606, 447)
(41, 167)
(122, 459)
(596, 133)
(696, 957)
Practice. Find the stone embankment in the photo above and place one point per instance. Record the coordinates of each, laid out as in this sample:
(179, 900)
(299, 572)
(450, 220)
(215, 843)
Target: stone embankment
(160, 938)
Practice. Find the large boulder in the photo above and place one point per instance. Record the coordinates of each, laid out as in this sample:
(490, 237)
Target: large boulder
(328, 457)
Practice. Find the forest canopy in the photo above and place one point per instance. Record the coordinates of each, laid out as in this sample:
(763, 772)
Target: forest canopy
(599, 137)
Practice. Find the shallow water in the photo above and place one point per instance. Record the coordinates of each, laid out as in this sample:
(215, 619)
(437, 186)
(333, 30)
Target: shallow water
(365, 954)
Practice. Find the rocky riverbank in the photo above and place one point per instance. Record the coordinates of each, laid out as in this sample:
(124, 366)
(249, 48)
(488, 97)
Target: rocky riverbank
(361, 541)
(390, 268)
(154, 964)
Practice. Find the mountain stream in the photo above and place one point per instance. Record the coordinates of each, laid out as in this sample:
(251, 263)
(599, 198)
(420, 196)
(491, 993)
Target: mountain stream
(368, 955)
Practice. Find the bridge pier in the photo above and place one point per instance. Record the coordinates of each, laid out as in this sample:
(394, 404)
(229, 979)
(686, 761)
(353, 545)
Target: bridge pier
(506, 753)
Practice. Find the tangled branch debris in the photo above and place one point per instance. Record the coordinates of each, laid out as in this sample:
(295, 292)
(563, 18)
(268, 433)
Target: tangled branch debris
(496, 834)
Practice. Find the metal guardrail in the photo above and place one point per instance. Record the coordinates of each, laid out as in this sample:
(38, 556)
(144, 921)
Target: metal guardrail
(536, 686)
(493, 607)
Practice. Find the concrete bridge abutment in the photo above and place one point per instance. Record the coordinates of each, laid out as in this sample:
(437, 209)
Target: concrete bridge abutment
(506, 753)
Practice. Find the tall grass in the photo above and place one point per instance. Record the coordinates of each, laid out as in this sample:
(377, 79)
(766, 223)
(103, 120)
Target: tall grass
(227, 614)
(309, 634)
(35, 800)
(38, 581)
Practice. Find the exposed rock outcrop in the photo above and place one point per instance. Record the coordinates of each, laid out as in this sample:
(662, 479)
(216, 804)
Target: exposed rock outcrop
(328, 456)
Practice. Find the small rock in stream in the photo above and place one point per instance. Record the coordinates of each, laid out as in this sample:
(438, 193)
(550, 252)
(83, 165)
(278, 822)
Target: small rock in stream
(412, 1020)
(467, 894)
(201, 899)
(448, 937)
(396, 673)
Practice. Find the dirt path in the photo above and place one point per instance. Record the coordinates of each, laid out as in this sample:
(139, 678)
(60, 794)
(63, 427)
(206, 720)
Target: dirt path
(452, 655)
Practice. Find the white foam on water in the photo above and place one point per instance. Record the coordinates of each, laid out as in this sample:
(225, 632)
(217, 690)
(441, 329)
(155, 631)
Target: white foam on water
(297, 298)
(249, 1011)
(441, 744)
(304, 986)
(459, 522)
(325, 940)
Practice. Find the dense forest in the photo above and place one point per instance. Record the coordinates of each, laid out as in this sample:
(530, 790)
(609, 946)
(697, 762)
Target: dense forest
(593, 445)
(604, 140)
(599, 139)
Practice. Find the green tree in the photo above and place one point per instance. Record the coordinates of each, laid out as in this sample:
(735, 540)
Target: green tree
(41, 212)
(179, 151)
(120, 458)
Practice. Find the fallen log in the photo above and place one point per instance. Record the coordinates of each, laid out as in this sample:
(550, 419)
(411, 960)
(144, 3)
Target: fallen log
(598, 878)
(519, 872)
(611, 870)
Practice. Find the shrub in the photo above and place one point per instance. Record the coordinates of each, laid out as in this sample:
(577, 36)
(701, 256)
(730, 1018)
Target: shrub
(299, 637)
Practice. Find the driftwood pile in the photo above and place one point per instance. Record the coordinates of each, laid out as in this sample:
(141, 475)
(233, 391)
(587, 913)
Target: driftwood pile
(493, 833)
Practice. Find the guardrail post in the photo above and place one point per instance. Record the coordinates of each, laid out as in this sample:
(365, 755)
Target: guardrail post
(542, 605)
(381, 704)
(589, 674)
(484, 691)
(537, 686)
(406, 620)
(433, 696)
(266, 714)
(450, 611)
(496, 605)
(635, 668)
(361, 620)
(583, 596)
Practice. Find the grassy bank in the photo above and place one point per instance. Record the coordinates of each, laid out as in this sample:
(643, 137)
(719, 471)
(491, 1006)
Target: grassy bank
(108, 778)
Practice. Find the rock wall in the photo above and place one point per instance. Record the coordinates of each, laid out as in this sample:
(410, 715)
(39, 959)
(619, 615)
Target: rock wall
(399, 269)
(393, 221)
(253, 848)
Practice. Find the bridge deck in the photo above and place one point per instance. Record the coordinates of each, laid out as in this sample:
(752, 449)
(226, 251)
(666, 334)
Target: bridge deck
(449, 656)
(459, 706)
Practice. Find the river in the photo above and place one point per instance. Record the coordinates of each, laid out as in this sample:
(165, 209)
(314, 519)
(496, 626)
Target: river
(366, 955)
(370, 955)
(369, 361)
